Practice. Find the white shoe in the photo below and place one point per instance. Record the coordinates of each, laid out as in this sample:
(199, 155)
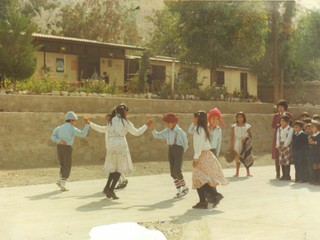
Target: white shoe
(184, 192)
(59, 183)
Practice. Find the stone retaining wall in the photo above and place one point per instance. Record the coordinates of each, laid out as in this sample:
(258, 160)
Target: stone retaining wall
(25, 139)
(27, 123)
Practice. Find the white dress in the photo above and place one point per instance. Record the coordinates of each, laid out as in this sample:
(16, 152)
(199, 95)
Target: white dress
(118, 158)
(240, 133)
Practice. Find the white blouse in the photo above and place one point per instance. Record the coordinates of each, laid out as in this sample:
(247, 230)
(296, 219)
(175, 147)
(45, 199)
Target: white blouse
(284, 135)
(200, 141)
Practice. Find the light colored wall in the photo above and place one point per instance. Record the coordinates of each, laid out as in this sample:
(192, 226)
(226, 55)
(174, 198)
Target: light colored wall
(232, 80)
(232, 76)
(70, 65)
(115, 70)
(252, 84)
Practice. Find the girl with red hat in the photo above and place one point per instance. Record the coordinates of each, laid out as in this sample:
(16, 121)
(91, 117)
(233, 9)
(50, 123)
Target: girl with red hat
(214, 119)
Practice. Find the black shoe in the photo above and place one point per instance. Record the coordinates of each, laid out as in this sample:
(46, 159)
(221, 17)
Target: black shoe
(201, 205)
(107, 192)
(219, 197)
(113, 196)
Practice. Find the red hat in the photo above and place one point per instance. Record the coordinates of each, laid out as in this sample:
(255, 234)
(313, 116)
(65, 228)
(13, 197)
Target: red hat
(170, 117)
(215, 112)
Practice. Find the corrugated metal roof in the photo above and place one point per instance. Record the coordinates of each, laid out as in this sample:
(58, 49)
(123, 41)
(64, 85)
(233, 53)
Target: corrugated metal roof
(170, 60)
(85, 41)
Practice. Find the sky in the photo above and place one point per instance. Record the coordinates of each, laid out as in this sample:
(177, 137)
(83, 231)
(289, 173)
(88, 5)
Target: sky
(310, 4)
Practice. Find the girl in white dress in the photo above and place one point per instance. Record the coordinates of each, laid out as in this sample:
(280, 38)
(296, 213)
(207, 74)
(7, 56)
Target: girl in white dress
(241, 130)
(118, 158)
(207, 171)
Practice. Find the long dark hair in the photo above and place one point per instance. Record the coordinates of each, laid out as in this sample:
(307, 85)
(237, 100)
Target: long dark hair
(202, 122)
(121, 110)
(243, 115)
(111, 115)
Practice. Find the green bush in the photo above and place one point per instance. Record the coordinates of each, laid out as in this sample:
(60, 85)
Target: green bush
(212, 93)
(45, 85)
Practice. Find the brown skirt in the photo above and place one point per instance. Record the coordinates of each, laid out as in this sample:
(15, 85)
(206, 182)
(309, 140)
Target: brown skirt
(208, 171)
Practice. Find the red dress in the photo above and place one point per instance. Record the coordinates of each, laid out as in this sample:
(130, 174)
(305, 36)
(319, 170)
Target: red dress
(275, 124)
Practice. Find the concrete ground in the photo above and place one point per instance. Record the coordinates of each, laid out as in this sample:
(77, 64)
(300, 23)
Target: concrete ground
(258, 207)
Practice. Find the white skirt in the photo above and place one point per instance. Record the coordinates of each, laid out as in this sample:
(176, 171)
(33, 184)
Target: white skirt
(208, 171)
(118, 158)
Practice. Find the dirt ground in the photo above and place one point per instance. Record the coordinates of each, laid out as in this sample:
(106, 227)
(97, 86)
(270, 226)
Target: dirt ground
(22, 177)
(172, 230)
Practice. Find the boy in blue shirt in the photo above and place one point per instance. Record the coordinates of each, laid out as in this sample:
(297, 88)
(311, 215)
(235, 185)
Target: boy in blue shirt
(64, 135)
(178, 144)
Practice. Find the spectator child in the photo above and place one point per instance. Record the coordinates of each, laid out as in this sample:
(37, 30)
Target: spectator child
(240, 134)
(299, 151)
(314, 142)
(282, 110)
(178, 143)
(307, 130)
(64, 135)
(304, 115)
(284, 140)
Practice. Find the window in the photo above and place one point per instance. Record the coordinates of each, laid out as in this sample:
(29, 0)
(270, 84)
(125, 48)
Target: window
(244, 82)
(220, 78)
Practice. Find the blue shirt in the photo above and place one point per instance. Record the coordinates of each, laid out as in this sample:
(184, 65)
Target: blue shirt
(67, 132)
(173, 136)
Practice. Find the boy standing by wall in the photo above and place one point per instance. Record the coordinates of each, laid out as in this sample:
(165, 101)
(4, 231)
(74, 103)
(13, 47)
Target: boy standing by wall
(299, 149)
(64, 135)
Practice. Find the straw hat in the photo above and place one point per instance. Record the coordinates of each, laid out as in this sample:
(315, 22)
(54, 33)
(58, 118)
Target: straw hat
(230, 155)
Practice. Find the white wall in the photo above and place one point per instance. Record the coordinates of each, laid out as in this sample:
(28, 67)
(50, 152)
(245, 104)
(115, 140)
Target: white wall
(114, 68)
(70, 65)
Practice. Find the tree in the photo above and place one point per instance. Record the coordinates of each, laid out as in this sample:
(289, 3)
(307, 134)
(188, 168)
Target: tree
(275, 65)
(17, 60)
(165, 39)
(45, 13)
(101, 20)
(4, 5)
(220, 33)
(305, 48)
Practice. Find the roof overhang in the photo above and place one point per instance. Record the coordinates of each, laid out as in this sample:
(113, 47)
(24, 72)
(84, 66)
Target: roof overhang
(53, 38)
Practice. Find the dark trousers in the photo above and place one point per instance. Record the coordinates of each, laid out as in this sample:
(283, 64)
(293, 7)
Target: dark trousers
(309, 167)
(175, 156)
(112, 181)
(65, 160)
(299, 165)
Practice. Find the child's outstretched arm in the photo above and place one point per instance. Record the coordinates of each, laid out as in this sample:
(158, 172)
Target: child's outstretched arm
(98, 128)
(135, 131)
(162, 134)
(81, 133)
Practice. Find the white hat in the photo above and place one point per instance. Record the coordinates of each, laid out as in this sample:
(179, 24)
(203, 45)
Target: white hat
(71, 116)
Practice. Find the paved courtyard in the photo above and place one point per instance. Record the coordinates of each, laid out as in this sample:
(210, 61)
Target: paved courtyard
(259, 207)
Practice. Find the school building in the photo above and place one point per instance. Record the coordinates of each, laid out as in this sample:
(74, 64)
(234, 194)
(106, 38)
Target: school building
(76, 59)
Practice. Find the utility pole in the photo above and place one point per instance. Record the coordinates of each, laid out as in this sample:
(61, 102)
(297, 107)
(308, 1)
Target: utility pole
(275, 59)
